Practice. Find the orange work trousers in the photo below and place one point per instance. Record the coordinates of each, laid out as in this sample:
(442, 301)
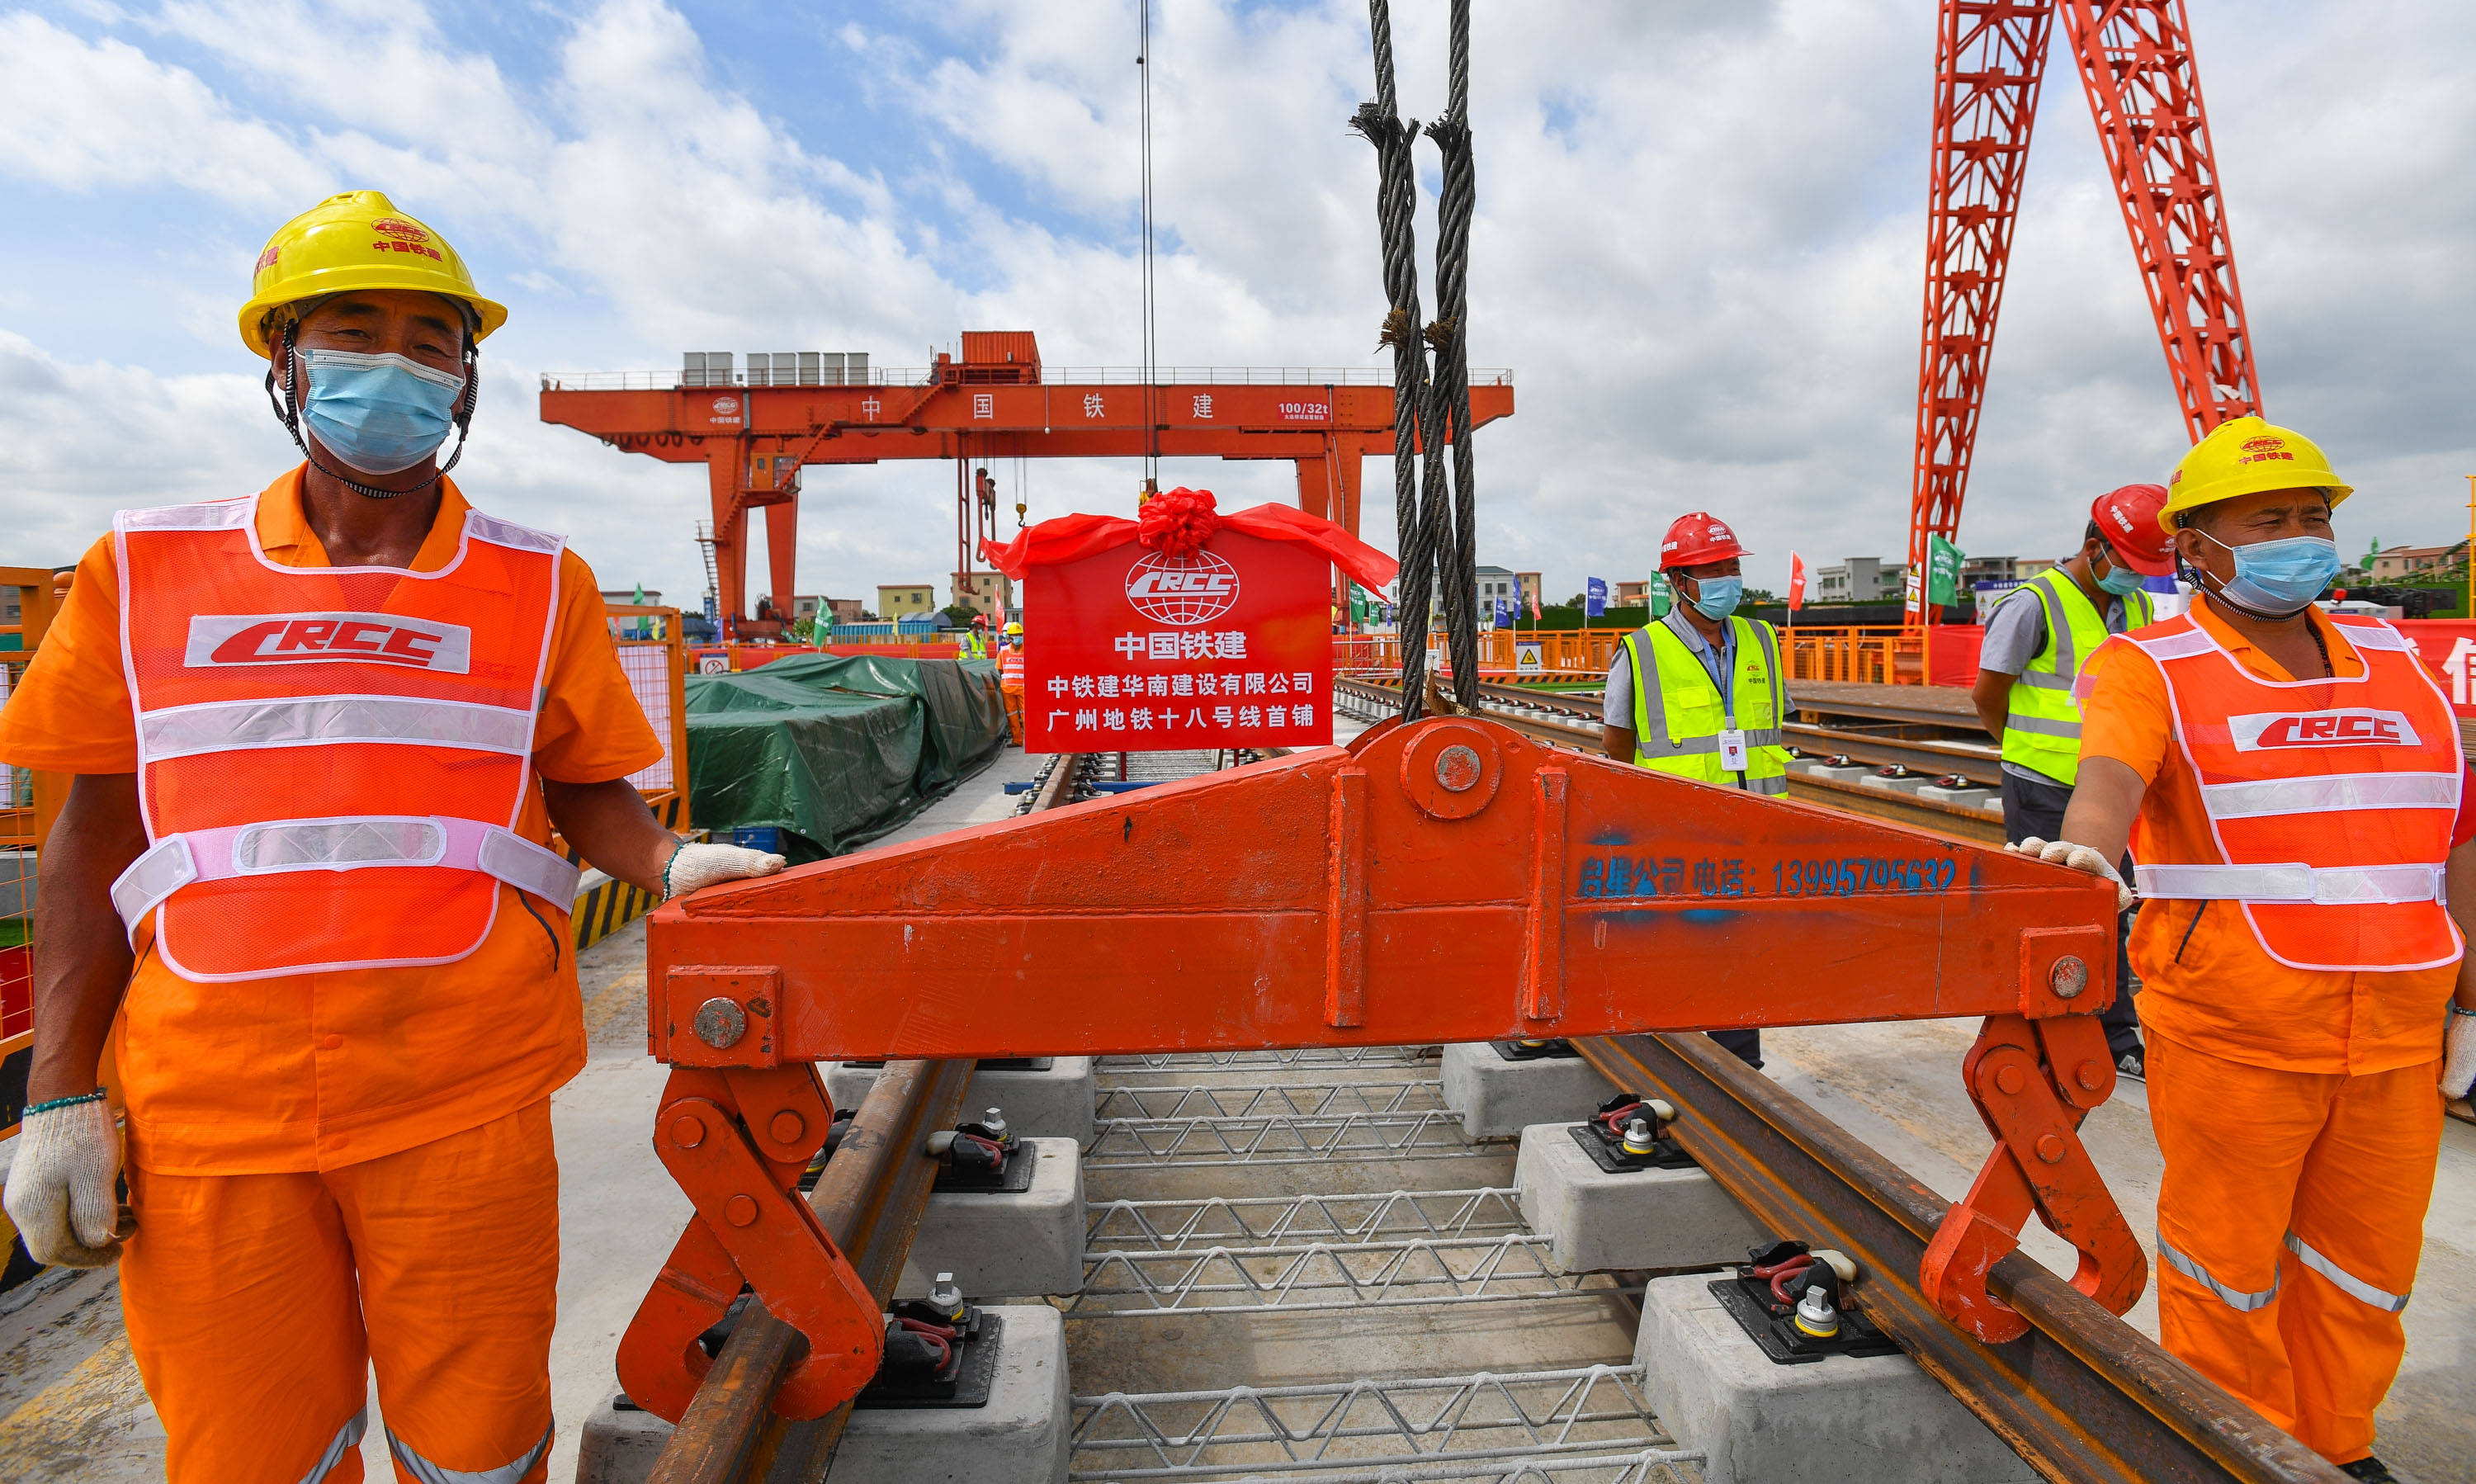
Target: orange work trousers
(1013, 695)
(255, 1304)
(2290, 1221)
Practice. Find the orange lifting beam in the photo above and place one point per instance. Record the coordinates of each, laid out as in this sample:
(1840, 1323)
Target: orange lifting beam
(1443, 881)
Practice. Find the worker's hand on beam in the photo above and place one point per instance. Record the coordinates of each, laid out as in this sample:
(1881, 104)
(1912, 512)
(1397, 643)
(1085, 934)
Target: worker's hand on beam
(696, 866)
(2080, 857)
(61, 1186)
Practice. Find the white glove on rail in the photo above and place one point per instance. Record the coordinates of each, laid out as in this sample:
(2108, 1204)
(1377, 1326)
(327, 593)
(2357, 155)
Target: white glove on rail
(2080, 857)
(2459, 1063)
(60, 1187)
(693, 867)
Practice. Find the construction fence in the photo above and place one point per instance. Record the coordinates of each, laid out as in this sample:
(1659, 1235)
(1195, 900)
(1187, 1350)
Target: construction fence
(1880, 655)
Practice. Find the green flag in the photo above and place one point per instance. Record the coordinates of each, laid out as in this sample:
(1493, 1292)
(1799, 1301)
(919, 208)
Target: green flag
(1943, 571)
(1663, 597)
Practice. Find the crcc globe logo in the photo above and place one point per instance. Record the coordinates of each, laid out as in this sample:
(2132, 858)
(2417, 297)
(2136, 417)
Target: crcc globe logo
(1183, 591)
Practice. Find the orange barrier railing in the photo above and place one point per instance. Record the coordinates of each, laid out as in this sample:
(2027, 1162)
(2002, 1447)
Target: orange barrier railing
(727, 658)
(1873, 654)
(1881, 655)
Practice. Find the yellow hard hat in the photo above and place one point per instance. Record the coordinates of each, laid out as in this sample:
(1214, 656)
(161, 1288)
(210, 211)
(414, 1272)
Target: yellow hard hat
(1014, 628)
(2244, 456)
(356, 240)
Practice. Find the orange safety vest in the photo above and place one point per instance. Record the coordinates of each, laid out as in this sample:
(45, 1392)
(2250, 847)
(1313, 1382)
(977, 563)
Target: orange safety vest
(2330, 800)
(329, 759)
(1010, 667)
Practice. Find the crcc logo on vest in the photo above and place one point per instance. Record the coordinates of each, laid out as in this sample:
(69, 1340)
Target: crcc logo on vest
(217, 640)
(2267, 730)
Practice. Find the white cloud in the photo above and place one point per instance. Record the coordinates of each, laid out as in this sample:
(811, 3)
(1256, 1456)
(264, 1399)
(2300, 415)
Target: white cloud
(81, 115)
(1699, 243)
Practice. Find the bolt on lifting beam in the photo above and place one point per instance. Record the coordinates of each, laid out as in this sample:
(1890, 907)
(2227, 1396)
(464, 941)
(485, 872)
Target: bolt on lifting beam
(1448, 880)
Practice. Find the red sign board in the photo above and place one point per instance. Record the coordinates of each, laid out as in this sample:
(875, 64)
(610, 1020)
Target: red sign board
(1133, 651)
(2447, 646)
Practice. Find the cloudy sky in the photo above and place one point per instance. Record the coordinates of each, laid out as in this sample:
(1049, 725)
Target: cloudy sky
(1699, 246)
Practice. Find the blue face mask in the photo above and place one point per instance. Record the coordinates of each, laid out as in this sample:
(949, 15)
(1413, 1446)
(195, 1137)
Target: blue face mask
(2120, 580)
(2277, 578)
(1715, 597)
(379, 413)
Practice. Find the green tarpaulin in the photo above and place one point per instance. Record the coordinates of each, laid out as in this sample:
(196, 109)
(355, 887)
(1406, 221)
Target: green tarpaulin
(834, 751)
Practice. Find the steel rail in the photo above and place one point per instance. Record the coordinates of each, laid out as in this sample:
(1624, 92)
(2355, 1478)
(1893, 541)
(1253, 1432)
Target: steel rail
(869, 1198)
(1926, 814)
(2082, 1396)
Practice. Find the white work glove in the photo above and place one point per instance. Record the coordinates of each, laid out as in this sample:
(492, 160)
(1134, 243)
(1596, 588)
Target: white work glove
(693, 867)
(2080, 857)
(2459, 1061)
(60, 1187)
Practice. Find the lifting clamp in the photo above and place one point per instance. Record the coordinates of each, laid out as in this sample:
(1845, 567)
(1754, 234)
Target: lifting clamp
(1441, 881)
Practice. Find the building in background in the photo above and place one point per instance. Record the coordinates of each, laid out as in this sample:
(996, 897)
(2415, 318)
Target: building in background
(1631, 595)
(628, 595)
(805, 607)
(905, 600)
(2413, 563)
(1529, 584)
(1860, 580)
(846, 610)
(1497, 584)
(983, 593)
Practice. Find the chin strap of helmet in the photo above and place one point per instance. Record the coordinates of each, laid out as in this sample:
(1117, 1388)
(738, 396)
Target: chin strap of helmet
(288, 411)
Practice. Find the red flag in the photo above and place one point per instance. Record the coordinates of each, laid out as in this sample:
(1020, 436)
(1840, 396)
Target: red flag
(1796, 581)
(1534, 608)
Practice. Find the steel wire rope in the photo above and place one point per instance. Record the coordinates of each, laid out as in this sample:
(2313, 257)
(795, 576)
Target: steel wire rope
(1379, 121)
(1435, 512)
(1449, 385)
(1151, 308)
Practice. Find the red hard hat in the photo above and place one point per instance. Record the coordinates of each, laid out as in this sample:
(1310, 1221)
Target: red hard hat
(2127, 521)
(1696, 539)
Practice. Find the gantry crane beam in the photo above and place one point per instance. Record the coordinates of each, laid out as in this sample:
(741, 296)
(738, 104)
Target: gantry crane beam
(754, 440)
(2137, 67)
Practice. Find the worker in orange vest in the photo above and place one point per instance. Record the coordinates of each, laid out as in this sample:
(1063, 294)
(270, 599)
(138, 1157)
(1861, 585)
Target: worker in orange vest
(2293, 790)
(1010, 679)
(321, 735)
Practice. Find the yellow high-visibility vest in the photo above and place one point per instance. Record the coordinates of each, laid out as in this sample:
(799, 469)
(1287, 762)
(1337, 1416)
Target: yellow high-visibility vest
(1679, 714)
(2041, 727)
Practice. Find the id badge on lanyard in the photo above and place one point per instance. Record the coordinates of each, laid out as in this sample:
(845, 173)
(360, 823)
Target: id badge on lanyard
(1732, 749)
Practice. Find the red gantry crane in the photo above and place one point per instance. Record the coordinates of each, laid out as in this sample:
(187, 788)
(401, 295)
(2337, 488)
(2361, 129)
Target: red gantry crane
(2145, 92)
(757, 431)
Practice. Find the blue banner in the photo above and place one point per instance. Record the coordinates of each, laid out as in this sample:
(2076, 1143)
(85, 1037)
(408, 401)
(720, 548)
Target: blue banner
(1594, 597)
(1503, 614)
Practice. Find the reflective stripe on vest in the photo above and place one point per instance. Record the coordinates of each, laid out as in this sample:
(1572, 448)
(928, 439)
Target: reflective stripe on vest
(329, 758)
(2330, 801)
(2346, 1282)
(2235, 1299)
(1678, 713)
(510, 1473)
(347, 1436)
(338, 845)
(2041, 727)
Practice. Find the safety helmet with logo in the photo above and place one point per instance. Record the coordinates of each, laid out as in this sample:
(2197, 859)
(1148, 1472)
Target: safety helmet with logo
(2127, 522)
(2245, 456)
(1696, 539)
(357, 239)
(1014, 629)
